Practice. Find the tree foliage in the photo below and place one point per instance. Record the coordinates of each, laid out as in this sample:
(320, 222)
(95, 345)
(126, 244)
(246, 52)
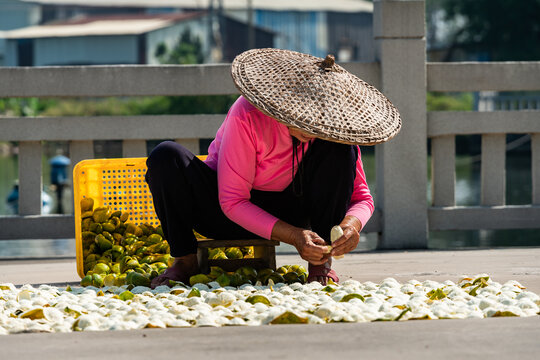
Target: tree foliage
(187, 50)
(502, 29)
(449, 102)
(24, 107)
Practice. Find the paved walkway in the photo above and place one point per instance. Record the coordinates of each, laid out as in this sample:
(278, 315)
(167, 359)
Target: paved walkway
(442, 339)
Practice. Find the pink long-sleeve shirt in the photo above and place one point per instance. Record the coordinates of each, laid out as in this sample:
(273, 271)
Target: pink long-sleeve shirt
(253, 151)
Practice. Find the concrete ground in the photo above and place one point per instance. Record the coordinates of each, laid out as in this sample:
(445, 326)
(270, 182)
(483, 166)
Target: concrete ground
(443, 339)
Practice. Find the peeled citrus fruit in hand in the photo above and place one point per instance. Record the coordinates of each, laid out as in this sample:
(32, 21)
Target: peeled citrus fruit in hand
(335, 234)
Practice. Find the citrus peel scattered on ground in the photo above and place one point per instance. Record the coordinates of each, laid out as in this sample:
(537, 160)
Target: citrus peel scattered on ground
(51, 309)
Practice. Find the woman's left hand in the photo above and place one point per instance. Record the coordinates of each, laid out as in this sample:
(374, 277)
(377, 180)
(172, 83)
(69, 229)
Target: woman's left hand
(351, 236)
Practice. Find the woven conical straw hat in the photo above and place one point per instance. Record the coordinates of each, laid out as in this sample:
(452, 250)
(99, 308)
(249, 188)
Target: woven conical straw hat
(315, 95)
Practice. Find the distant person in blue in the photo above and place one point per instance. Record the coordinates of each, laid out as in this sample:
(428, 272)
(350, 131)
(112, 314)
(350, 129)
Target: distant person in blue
(13, 200)
(59, 178)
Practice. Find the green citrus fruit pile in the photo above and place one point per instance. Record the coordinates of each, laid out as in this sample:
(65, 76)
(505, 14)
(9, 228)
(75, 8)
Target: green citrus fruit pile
(223, 253)
(117, 251)
(286, 274)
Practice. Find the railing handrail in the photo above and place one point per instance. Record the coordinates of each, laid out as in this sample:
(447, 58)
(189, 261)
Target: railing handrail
(135, 80)
(479, 76)
(214, 79)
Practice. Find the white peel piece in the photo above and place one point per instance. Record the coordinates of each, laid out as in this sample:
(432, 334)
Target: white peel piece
(207, 320)
(24, 295)
(191, 302)
(53, 315)
(335, 234)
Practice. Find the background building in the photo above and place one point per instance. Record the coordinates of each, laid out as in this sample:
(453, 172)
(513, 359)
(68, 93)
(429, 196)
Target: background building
(16, 14)
(117, 39)
(126, 31)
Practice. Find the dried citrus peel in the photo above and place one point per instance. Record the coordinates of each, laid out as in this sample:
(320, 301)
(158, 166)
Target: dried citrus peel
(335, 234)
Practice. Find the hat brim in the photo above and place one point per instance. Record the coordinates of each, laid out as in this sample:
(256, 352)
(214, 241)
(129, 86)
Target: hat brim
(331, 104)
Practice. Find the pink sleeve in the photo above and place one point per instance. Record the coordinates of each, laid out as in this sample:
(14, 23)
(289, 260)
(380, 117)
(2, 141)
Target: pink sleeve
(361, 205)
(236, 172)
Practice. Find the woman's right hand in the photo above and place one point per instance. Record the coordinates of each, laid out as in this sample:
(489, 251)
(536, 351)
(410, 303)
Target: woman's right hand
(310, 246)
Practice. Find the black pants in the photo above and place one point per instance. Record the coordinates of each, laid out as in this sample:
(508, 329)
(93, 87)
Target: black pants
(185, 194)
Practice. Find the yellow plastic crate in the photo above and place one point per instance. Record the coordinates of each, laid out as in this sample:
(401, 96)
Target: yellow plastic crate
(117, 183)
(120, 184)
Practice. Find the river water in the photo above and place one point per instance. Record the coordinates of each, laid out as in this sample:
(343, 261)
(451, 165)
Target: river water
(467, 193)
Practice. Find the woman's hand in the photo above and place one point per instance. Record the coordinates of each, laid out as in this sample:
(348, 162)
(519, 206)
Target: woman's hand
(351, 236)
(310, 246)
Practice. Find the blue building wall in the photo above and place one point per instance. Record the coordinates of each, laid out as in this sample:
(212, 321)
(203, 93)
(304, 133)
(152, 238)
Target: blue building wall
(77, 50)
(16, 14)
(299, 31)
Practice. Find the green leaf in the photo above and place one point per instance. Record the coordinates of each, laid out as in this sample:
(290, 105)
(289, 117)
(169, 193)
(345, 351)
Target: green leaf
(473, 291)
(126, 295)
(348, 297)
(436, 294)
(402, 313)
(258, 299)
(194, 293)
(173, 283)
(481, 281)
(33, 314)
(75, 313)
(331, 282)
(289, 318)
(328, 289)
(504, 314)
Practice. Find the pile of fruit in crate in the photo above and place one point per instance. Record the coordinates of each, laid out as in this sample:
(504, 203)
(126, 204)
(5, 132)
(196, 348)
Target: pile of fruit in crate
(286, 274)
(118, 252)
(231, 253)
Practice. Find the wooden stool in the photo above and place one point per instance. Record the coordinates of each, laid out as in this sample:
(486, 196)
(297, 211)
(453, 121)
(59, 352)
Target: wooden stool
(264, 254)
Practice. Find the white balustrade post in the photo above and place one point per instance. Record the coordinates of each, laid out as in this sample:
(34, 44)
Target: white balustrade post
(134, 148)
(443, 170)
(493, 170)
(79, 150)
(30, 178)
(535, 168)
(401, 163)
(190, 144)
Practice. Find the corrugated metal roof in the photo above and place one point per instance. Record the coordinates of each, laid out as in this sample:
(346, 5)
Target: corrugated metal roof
(95, 26)
(128, 27)
(276, 5)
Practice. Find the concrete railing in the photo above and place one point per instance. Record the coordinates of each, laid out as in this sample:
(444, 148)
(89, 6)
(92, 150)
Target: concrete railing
(403, 216)
(493, 126)
(80, 131)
